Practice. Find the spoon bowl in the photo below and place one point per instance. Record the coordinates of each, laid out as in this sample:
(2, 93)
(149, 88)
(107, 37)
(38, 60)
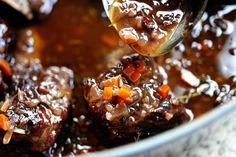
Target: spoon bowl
(192, 13)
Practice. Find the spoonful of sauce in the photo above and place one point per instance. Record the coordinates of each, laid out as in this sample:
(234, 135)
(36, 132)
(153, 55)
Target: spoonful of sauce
(152, 27)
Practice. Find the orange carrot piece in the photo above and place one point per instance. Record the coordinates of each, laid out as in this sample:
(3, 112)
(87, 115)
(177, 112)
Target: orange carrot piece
(112, 82)
(129, 70)
(4, 65)
(135, 76)
(124, 92)
(5, 124)
(107, 93)
(163, 90)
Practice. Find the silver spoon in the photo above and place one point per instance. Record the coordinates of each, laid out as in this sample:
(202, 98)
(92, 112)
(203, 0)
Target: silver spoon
(22, 6)
(195, 8)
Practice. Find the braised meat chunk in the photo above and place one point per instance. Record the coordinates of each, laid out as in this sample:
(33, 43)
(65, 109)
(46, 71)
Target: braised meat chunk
(34, 101)
(132, 99)
(37, 104)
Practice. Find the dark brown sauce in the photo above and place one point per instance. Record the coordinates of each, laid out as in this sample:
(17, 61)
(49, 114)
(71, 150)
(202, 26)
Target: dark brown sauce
(77, 35)
(146, 25)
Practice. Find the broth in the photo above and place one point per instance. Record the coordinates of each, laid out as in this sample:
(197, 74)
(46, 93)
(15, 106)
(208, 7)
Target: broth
(77, 35)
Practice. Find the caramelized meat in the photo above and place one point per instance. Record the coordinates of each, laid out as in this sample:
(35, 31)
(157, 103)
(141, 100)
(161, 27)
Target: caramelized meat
(34, 101)
(132, 99)
(146, 25)
(38, 104)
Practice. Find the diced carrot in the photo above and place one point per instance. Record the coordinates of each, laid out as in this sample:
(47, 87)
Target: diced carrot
(126, 101)
(124, 92)
(163, 90)
(140, 67)
(4, 65)
(112, 82)
(107, 93)
(5, 124)
(129, 70)
(135, 76)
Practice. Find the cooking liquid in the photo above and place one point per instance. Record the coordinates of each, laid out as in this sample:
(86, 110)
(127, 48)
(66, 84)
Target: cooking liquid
(77, 35)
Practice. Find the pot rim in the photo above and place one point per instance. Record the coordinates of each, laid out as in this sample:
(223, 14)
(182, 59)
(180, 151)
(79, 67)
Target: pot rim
(168, 136)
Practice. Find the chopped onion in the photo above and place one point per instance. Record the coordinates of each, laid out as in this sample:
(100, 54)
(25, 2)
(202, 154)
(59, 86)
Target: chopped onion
(189, 78)
(19, 131)
(190, 113)
(20, 95)
(119, 111)
(168, 116)
(5, 105)
(7, 136)
(33, 102)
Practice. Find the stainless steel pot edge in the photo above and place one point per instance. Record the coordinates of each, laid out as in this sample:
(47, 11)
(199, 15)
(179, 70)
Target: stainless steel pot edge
(168, 136)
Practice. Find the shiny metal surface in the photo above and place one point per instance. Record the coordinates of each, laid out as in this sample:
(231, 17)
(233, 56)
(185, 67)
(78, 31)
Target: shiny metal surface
(195, 8)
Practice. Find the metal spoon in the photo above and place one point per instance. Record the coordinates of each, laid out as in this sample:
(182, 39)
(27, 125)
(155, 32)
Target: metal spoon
(195, 8)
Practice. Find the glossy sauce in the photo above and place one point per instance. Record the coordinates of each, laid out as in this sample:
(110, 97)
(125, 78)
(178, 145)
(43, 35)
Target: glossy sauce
(146, 25)
(77, 35)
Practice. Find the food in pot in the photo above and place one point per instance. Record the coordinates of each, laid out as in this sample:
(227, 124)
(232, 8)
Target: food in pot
(34, 100)
(34, 56)
(146, 25)
(132, 100)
